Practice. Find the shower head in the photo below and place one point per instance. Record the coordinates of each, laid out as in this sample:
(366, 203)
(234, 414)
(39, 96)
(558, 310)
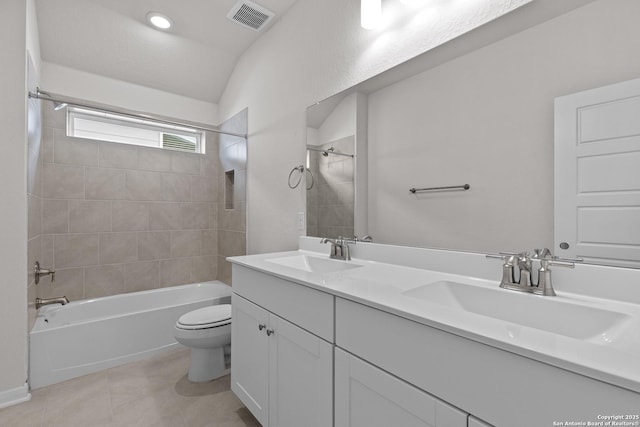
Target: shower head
(57, 106)
(326, 152)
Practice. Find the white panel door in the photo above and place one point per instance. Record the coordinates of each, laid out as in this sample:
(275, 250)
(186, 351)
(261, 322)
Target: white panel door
(366, 396)
(300, 377)
(597, 175)
(250, 356)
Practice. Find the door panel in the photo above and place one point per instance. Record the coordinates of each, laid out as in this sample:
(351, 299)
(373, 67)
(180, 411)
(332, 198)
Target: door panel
(597, 174)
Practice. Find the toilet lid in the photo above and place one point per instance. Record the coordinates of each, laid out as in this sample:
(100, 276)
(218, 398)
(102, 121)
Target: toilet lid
(207, 317)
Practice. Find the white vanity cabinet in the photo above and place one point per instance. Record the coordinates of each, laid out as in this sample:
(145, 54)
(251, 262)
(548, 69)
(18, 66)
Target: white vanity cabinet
(369, 397)
(280, 370)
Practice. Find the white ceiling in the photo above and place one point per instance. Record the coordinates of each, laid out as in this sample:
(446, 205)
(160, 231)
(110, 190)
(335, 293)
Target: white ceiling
(111, 38)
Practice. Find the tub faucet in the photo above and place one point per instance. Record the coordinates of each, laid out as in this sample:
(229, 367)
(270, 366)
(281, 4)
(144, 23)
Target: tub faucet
(46, 301)
(43, 272)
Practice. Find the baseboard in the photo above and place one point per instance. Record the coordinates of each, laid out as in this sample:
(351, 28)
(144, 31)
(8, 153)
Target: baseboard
(14, 396)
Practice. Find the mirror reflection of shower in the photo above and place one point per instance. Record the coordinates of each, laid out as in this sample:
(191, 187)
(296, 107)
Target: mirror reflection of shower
(330, 202)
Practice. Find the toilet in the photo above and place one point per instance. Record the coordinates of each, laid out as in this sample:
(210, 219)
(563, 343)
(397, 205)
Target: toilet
(207, 331)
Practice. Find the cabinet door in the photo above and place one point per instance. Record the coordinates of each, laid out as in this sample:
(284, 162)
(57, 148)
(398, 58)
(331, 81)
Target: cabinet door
(300, 377)
(366, 396)
(250, 356)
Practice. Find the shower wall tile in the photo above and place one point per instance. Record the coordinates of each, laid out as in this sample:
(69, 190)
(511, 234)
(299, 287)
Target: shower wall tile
(176, 188)
(86, 216)
(74, 151)
(186, 243)
(63, 181)
(175, 271)
(46, 252)
(231, 243)
(154, 245)
(47, 145)
(54, 119)
(185, 163)
(103, 280)
(209, 242)
(204, 189)
(203, 268)
(115, 155)
(224, 270)
(69, 282)
(76, 250)
(104, 184)
(141, 276)
(154, 159)
(233, 219)
(55, 216)
(118, 248)
(209, 165)
(129, 216)
(164, 216)
(144, 185)
(195, 216)
(213, 214)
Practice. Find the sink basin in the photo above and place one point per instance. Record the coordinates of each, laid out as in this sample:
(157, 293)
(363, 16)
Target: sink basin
(313, 264)
(544, 313)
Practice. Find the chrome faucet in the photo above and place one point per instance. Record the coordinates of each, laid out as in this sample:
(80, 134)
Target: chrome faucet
(339, 247)
(524, 262)
(46, 301)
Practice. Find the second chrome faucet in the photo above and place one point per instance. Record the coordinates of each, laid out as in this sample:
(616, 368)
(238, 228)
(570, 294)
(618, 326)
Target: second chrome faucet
(523, 262)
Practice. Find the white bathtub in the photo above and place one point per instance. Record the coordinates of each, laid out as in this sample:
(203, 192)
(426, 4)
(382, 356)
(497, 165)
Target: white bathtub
(90, 335)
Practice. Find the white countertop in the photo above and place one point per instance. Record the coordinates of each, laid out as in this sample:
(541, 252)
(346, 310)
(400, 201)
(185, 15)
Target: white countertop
(612, 358)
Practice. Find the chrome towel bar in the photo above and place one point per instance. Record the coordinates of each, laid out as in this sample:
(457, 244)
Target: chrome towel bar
(464, 187)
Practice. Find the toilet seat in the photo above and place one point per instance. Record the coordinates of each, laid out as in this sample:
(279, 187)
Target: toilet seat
(205, 318)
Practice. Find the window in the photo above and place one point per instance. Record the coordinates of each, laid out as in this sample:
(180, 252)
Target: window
(101, 126)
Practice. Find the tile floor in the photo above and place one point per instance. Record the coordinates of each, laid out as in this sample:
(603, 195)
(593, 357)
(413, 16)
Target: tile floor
(152, 392)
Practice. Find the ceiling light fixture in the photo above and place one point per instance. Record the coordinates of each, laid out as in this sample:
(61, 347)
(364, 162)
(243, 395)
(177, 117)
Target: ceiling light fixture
(370, 13)
(159, 21)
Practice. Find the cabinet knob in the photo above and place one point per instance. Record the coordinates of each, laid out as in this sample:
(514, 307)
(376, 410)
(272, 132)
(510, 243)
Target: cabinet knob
(261, 326)
(270, 332)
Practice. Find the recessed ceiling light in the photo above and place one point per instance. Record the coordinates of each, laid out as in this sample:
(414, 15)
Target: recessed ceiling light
(160, 21)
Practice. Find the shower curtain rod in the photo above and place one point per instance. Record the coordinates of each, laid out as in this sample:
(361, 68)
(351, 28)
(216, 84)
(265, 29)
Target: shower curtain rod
(73, 102)
(330, 150)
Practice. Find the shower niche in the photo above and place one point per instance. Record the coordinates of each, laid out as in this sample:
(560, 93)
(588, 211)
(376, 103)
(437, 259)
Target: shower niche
(336, 168)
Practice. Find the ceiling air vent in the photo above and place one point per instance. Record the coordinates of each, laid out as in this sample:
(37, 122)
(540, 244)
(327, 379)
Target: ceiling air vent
(250, 15)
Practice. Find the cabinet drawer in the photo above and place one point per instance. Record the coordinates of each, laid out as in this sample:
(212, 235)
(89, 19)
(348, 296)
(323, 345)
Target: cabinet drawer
(308, 308)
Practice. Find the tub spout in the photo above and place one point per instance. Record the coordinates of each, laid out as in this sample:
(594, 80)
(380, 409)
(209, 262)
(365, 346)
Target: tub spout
(46, 301)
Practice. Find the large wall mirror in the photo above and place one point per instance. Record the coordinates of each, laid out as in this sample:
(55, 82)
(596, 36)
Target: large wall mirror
(483, 117)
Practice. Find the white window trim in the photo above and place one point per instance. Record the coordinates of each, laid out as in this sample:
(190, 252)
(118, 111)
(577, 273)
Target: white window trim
(127, 121)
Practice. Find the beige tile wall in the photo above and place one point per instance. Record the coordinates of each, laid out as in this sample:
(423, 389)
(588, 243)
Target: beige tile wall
(120, 218)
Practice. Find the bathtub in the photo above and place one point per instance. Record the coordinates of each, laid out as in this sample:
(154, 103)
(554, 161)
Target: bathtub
(90, 335)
